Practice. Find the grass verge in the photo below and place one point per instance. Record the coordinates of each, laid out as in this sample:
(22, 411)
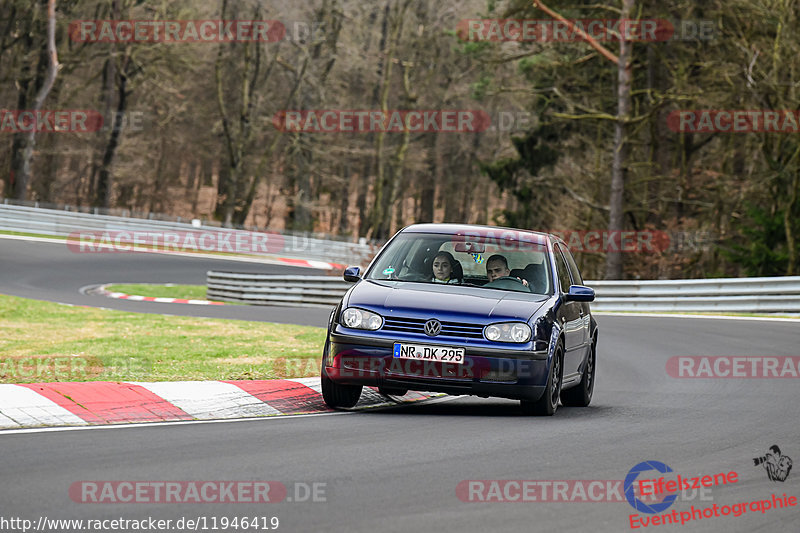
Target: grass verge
(169, 290)
(44, 341)
(26, 234)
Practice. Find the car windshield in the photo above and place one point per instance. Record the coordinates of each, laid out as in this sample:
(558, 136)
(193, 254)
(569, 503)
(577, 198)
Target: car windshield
(518, 261)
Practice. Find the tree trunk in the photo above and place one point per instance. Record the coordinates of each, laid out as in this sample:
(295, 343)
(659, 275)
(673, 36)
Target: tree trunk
(344, 200)
(398, 162)
(616, 202)
(159, 183)
(25, 143)
(203, 170)
(378, 222)
(428, 192)
(789, 222)
(468, 199)
(102, 196)
(42, 187)
(236, 142)
(450, 176)
(369, 163)
(303, 215)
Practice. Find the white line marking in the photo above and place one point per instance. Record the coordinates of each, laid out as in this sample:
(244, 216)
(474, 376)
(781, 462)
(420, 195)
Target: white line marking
(223, 421)
(311, 383)
(33, 239)
(319, 264)
(6, 422)
(28, 408)
(210, 399)
(369, 398)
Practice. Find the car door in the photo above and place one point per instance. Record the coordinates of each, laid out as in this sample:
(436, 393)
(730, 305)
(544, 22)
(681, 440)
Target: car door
(577, 279)
(571, 317)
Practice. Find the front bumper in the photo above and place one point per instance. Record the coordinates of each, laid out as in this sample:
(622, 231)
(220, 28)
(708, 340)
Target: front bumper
(505, 373)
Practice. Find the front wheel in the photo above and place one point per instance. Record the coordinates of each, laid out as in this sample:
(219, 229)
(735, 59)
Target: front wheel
(548, 403)
(581, 396)
(338, 396)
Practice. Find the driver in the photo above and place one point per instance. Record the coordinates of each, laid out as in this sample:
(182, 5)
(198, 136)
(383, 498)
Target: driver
(497, 267)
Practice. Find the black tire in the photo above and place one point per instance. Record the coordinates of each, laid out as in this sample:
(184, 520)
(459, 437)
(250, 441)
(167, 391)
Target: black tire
(338, 396)
(548, 403)
(386, 391)
(581, 396)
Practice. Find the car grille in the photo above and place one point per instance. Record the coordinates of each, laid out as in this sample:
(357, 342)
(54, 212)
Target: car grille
(417, 325)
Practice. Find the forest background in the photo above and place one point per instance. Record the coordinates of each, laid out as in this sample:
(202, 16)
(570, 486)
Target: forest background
(582, 133)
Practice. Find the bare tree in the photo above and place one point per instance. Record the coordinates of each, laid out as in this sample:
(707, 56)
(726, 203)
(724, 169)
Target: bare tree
(22, 171)
(624, 78)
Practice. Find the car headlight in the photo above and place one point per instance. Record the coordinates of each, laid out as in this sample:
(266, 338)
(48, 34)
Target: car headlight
(508, 332)
(353, 317)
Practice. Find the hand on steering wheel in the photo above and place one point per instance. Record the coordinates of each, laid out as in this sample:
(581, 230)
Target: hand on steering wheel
(512, 278)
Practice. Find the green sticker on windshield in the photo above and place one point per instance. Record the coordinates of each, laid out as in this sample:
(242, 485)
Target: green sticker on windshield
(388, 272)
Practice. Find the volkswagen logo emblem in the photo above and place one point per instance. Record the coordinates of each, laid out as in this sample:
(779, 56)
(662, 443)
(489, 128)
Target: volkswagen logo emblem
(433, 327)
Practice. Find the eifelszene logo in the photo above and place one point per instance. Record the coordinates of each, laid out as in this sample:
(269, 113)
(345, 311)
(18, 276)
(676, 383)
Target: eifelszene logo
(630, 485)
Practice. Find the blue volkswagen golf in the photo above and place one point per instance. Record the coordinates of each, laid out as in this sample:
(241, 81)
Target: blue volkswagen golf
(465, 309)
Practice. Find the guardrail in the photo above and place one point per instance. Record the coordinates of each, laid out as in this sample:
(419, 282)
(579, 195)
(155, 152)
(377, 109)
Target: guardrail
(63, 223)
(756, 295)
(742, 295)
(262, 289)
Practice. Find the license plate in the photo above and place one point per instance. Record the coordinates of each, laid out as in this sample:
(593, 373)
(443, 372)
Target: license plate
(422, 352)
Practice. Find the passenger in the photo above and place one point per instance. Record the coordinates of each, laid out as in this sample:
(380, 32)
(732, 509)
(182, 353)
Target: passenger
(497, 267)
(443, 266)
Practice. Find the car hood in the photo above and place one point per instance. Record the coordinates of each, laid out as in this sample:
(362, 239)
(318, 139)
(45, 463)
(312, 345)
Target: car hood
(399, 298)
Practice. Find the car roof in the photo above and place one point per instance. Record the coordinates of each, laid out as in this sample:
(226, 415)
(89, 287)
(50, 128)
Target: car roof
(459, 229)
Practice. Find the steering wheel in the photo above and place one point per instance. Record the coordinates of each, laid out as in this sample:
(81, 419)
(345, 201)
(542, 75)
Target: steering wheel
(415, 276)
(508, 283)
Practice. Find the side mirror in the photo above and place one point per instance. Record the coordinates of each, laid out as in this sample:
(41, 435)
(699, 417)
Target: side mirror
(352, 274)
(579, 293)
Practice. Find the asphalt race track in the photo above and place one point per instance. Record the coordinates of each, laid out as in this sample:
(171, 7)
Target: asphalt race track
(398, 469)
(49, 271)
